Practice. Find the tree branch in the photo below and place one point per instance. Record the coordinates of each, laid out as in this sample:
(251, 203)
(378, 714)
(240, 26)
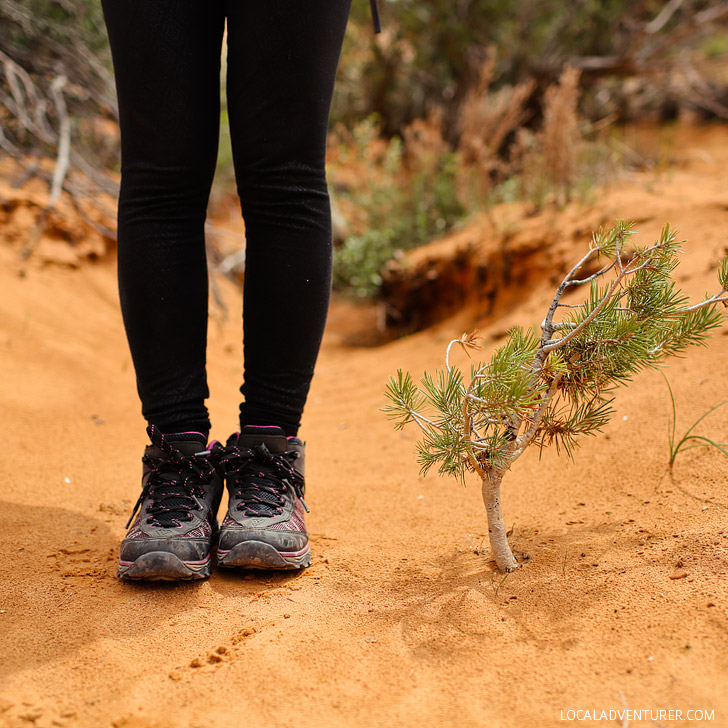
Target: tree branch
(558, 343)
(526, 438)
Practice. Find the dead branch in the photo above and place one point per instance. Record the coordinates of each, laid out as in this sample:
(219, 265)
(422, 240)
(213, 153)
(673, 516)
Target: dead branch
(64, 136)
(663, 17)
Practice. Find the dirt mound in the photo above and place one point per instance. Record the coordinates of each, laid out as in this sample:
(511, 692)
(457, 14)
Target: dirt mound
(485, 266)
(74, 230)
(401, 620)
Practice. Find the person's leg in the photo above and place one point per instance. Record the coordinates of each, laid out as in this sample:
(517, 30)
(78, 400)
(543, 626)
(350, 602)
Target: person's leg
(282, 59)
(166, 57)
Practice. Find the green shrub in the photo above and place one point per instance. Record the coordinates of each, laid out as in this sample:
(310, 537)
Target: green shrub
(407, 193)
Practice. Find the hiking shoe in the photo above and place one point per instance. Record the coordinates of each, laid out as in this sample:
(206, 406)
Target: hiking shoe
(265, 526)
(176, 514)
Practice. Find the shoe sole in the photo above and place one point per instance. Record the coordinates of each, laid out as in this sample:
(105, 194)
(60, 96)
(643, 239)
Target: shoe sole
(260, 555)
(163, 566)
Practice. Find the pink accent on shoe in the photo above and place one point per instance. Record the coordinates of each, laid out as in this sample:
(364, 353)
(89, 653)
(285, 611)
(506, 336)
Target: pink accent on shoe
(186, 563)
(296, 553)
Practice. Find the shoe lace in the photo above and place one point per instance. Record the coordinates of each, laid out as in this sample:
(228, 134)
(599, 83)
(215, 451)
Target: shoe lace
(258, 478)
(174, 483)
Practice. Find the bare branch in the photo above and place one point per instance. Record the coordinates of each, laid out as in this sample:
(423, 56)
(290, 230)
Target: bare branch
(447, 353)
(467, 431)
(552, 346)
(718, 298)
(467, 341)
(710, 14)
(527, 437)
(594, 276)
(546, 323)
(419, 419)
(64, 144)
(663, 17)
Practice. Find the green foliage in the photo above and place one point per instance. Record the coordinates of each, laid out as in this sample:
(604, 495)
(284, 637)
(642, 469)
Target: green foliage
(500, 392)
(358, 262)
(698, 440)
(715, 46)
(443, 440)
(448, 447)
(406, 399)
(634, 326)
(408, 195)
(554, 390)
(564, 425)
(431, 51)
(723, 273)
(503, 389)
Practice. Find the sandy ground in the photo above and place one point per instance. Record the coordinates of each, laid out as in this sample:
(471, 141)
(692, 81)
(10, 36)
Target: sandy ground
(401, 620)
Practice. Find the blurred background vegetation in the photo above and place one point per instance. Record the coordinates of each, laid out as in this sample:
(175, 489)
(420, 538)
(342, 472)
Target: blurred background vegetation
(458, 105)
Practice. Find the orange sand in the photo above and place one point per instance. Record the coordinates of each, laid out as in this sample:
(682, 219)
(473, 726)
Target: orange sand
(401, 620)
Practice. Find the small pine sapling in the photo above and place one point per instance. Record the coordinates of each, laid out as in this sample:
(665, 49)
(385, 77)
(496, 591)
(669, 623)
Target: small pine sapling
(555, 387)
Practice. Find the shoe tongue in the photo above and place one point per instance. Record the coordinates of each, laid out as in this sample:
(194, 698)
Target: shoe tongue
(274, 438)
(188, 443)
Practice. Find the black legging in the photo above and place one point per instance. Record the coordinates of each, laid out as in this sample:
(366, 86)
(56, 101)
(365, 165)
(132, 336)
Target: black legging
(282, 59)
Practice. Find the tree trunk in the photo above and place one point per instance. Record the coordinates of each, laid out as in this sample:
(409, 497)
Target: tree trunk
(499, 547)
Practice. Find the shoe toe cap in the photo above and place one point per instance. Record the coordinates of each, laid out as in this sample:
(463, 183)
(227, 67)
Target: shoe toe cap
(187, 550)
(283, 541)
